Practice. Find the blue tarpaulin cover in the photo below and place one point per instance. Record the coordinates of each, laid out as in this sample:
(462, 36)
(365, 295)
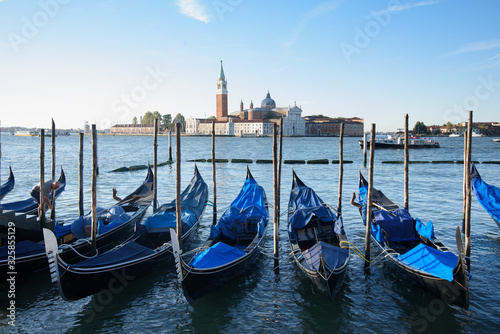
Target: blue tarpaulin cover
(23, 248)
(430, 260)
(399, 225)
(306, 204)
(128, 252)
(426, 230)
(192, 203)
(487, 195)
(334, 256)
(217, 255)
(114, 216)
(249, 205)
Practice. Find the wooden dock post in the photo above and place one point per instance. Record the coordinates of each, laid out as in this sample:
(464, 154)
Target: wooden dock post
(80, 176)
(214, 221)
(178, 181)
(93, 189)
(364, 149)
(464, 183)
(406, 164)
(275, 196)
(169, 145)
(41, 210)
(341, 168)
(369, 199)
(468, 193)
(155, 167)
(53, 176)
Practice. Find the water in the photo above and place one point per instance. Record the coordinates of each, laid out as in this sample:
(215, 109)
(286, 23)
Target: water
(381, 302)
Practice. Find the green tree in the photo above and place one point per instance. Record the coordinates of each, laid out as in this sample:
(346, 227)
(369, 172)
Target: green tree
(449, 126)
(180, 119)
(134, 120)
(166, 121)
(420, 128)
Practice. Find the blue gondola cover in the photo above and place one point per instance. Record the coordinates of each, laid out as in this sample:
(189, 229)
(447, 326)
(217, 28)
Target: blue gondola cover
(248, 206)
(334, 256)
(398, 225)
(23, 248)
(128, 252)
(217, 255)
(487, 195)
(430, 260)
(426, 230)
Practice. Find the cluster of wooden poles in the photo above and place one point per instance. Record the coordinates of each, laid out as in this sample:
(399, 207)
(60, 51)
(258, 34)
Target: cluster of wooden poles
(277, 159)
(466, 187)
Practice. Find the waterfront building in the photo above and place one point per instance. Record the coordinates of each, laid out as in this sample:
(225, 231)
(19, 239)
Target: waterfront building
(326, 126)
(132, 129)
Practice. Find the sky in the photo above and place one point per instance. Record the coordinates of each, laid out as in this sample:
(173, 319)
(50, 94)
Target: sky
(108, 61)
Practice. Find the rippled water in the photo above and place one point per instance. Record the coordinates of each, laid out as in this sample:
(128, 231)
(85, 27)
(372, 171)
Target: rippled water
(380, 302)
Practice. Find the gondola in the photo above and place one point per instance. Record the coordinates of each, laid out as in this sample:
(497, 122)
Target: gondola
(115, 225)
(412, 247)
(24, 215)
(231, 248)
(149, 245)
(315, 235)
(487, 195)
(8, 185)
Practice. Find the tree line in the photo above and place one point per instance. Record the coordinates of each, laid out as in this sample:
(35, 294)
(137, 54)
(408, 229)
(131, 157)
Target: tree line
(165, 121)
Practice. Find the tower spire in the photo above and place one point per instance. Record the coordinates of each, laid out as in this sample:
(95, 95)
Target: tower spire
(221, 73)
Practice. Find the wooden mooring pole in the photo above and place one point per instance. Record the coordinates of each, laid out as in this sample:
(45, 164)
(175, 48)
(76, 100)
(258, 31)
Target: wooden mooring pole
(178, 181)
(53, 175)
(169, 146)
(464, 183)
(93, 189)
(468, 193)
(276, 200)
(214, 216)
(364, 149)
(41, 210)
(406, 164)
(155, 167)
(341, 168)
(80, 175)
(369, 199)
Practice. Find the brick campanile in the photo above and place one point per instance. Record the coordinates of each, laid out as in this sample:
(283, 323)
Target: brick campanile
(221, 95)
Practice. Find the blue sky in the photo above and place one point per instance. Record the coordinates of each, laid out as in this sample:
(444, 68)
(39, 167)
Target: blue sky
(107, 61)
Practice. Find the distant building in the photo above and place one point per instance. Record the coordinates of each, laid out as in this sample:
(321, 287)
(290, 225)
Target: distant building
(483, 128)
(326, 126)
(131, 129)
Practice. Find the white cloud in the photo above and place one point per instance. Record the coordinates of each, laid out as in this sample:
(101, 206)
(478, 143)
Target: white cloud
(474, 47)
(411, 5)
(322, 8)
(193, 9)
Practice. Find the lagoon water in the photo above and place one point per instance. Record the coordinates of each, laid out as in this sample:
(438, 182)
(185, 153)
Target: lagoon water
(262, 302)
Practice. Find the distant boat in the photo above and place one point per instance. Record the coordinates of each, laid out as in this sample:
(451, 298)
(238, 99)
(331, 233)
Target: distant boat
(455, 135)
(497, 140)
(477, 134)
(26, 133)
(397, 141)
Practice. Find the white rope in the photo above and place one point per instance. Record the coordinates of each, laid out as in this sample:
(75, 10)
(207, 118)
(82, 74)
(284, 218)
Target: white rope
(66, 246)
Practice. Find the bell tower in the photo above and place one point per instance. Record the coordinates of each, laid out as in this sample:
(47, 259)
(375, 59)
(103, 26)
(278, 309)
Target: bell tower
(221, 95)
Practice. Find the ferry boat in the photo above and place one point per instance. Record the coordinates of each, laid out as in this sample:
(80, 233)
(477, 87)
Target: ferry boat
(26, 133)
(397, 141)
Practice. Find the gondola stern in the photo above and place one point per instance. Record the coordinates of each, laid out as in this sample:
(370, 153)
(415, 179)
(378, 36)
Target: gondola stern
(461, 275)
(249, 174)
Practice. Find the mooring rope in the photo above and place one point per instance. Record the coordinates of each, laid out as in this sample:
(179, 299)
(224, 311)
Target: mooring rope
(78, 253)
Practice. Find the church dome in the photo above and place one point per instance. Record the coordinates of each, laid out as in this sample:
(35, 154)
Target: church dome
(268, 102)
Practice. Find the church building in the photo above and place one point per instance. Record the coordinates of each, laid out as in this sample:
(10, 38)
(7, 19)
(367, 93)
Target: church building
(248, 122)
